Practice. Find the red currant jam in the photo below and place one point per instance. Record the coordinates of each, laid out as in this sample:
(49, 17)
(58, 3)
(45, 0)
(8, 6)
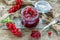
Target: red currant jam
(29, 17)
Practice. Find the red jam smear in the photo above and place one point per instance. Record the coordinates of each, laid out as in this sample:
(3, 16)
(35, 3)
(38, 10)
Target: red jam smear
(29, 17)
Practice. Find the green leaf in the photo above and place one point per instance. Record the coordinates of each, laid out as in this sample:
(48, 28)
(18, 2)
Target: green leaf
(3, 21)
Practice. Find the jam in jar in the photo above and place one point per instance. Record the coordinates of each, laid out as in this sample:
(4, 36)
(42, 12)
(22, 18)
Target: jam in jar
(29, 17)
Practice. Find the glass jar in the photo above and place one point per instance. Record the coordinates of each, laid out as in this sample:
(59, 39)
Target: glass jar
(29, 17)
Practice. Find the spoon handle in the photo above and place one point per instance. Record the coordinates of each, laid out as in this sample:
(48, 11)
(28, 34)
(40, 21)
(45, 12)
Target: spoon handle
(46, 27)
(53, 22)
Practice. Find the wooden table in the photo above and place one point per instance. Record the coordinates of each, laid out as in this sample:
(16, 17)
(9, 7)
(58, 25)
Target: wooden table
(6, 35)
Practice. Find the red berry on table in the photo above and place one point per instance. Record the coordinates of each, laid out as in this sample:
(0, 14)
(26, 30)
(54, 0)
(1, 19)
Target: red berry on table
(35, 34)
(19, 2)
(19, 34)
(49, 33)
(11, 26)
(14, 8)
(12, 31)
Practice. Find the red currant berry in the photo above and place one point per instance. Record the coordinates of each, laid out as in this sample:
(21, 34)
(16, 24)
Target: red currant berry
(49, 33)
(25, 12)
(19, 34)
(19, 2)
(12, 31)
(35, 34)
(14, 8)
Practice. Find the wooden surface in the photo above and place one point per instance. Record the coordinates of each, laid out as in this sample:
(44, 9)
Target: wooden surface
(6, 35)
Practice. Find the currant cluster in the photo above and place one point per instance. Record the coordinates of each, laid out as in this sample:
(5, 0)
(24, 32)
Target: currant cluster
(16, 7)
(11, 26)
(35, 34)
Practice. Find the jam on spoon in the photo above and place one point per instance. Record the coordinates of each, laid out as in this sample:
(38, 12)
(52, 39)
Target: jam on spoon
(29, 17)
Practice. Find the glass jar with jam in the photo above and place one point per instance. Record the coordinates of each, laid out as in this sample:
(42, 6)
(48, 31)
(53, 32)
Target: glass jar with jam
(29, 17)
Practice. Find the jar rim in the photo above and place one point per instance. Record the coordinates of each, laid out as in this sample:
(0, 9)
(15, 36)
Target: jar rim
(30, 18)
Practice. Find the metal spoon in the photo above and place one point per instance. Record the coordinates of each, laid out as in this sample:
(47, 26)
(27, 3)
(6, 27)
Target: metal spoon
(54, 21)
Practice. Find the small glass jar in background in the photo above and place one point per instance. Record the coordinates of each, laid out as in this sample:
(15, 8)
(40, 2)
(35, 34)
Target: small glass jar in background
(43, 6)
